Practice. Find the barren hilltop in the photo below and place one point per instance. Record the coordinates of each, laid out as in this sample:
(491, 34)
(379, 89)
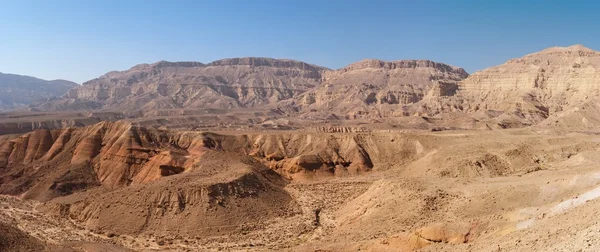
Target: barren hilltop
(260, 154)
(18, 91)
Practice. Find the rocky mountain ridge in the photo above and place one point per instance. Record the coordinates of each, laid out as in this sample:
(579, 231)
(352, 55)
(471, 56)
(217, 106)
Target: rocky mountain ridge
(523, 91)
(375, 88)
(228, 83)
(18, 91)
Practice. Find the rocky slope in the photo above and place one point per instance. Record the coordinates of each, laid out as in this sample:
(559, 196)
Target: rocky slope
(343, 190)
(45, 163)
(13, 239)
(219, 198)
(110, 166)
(369, 88)
(375, 88)
(530, 88)
(104, 174)
(17, 91)
(521, 92)
(227, 83)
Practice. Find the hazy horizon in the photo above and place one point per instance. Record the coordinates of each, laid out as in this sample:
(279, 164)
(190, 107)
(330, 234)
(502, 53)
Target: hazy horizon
(79, 41)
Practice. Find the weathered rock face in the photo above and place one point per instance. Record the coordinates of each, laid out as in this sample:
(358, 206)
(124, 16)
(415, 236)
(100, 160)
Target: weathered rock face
(67, 160)
(18, 91)
(122, 178)
(301, 155)
(534, 86)
(366, 89)
(220, 199)
(582, 116)
(45, 164)
(374, 88)
(521, 92)
(228, 83)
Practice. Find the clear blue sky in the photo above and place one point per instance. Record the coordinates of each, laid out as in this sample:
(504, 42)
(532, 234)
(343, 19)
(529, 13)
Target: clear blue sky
(82, 39)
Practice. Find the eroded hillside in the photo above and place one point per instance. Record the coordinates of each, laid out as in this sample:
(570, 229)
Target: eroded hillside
(227, 83)
(395, 190)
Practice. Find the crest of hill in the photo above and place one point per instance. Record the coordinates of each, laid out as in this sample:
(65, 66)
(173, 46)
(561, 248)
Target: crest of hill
(575, 56)
(578, 49)
(390, 65)
(247, 61)
(267, 62)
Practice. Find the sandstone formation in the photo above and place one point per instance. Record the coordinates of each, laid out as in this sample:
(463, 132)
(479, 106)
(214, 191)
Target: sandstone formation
(165, 174)
(111, 154)
(375, 88)
(521, 92)
(221, 198)
(228, 83)
(530, 88)
(115, 155)
(17, 91)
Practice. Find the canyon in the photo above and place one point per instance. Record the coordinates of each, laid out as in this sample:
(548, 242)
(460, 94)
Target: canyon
(260, 154)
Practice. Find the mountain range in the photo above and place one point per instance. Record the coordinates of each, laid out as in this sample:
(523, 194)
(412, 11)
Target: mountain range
(548, 85)
(18, 91)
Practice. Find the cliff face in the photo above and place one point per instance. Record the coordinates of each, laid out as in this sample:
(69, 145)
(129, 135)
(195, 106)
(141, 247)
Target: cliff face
(228, 83)
(369, 88)
(375, 88)
(536, 85)
(47, 163)
(523, 91)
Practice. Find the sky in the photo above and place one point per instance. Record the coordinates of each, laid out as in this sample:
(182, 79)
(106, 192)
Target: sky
(81, 40)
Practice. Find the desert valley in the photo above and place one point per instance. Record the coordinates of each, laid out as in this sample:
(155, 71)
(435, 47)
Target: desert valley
(262, 154)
